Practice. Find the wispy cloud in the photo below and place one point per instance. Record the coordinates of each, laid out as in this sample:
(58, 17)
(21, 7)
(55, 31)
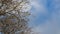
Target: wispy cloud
(52, 25)
(38, 6)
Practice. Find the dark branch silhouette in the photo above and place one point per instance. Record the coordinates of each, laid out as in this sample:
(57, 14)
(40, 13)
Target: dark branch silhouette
(13, 18)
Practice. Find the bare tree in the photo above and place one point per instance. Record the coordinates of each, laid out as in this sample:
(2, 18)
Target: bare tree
(13, 16)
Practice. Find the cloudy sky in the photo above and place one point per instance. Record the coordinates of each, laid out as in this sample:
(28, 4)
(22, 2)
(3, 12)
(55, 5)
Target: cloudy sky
(45, 16)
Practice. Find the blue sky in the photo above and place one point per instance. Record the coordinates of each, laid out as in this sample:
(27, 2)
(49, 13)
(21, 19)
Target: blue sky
(45, 16)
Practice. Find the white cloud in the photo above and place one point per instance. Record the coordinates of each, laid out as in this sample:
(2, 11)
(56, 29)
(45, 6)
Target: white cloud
(41, 29)
(38, 6)
(51, 26)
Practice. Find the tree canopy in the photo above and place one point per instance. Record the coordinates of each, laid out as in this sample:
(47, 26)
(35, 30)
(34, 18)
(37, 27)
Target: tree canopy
(13, 16)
